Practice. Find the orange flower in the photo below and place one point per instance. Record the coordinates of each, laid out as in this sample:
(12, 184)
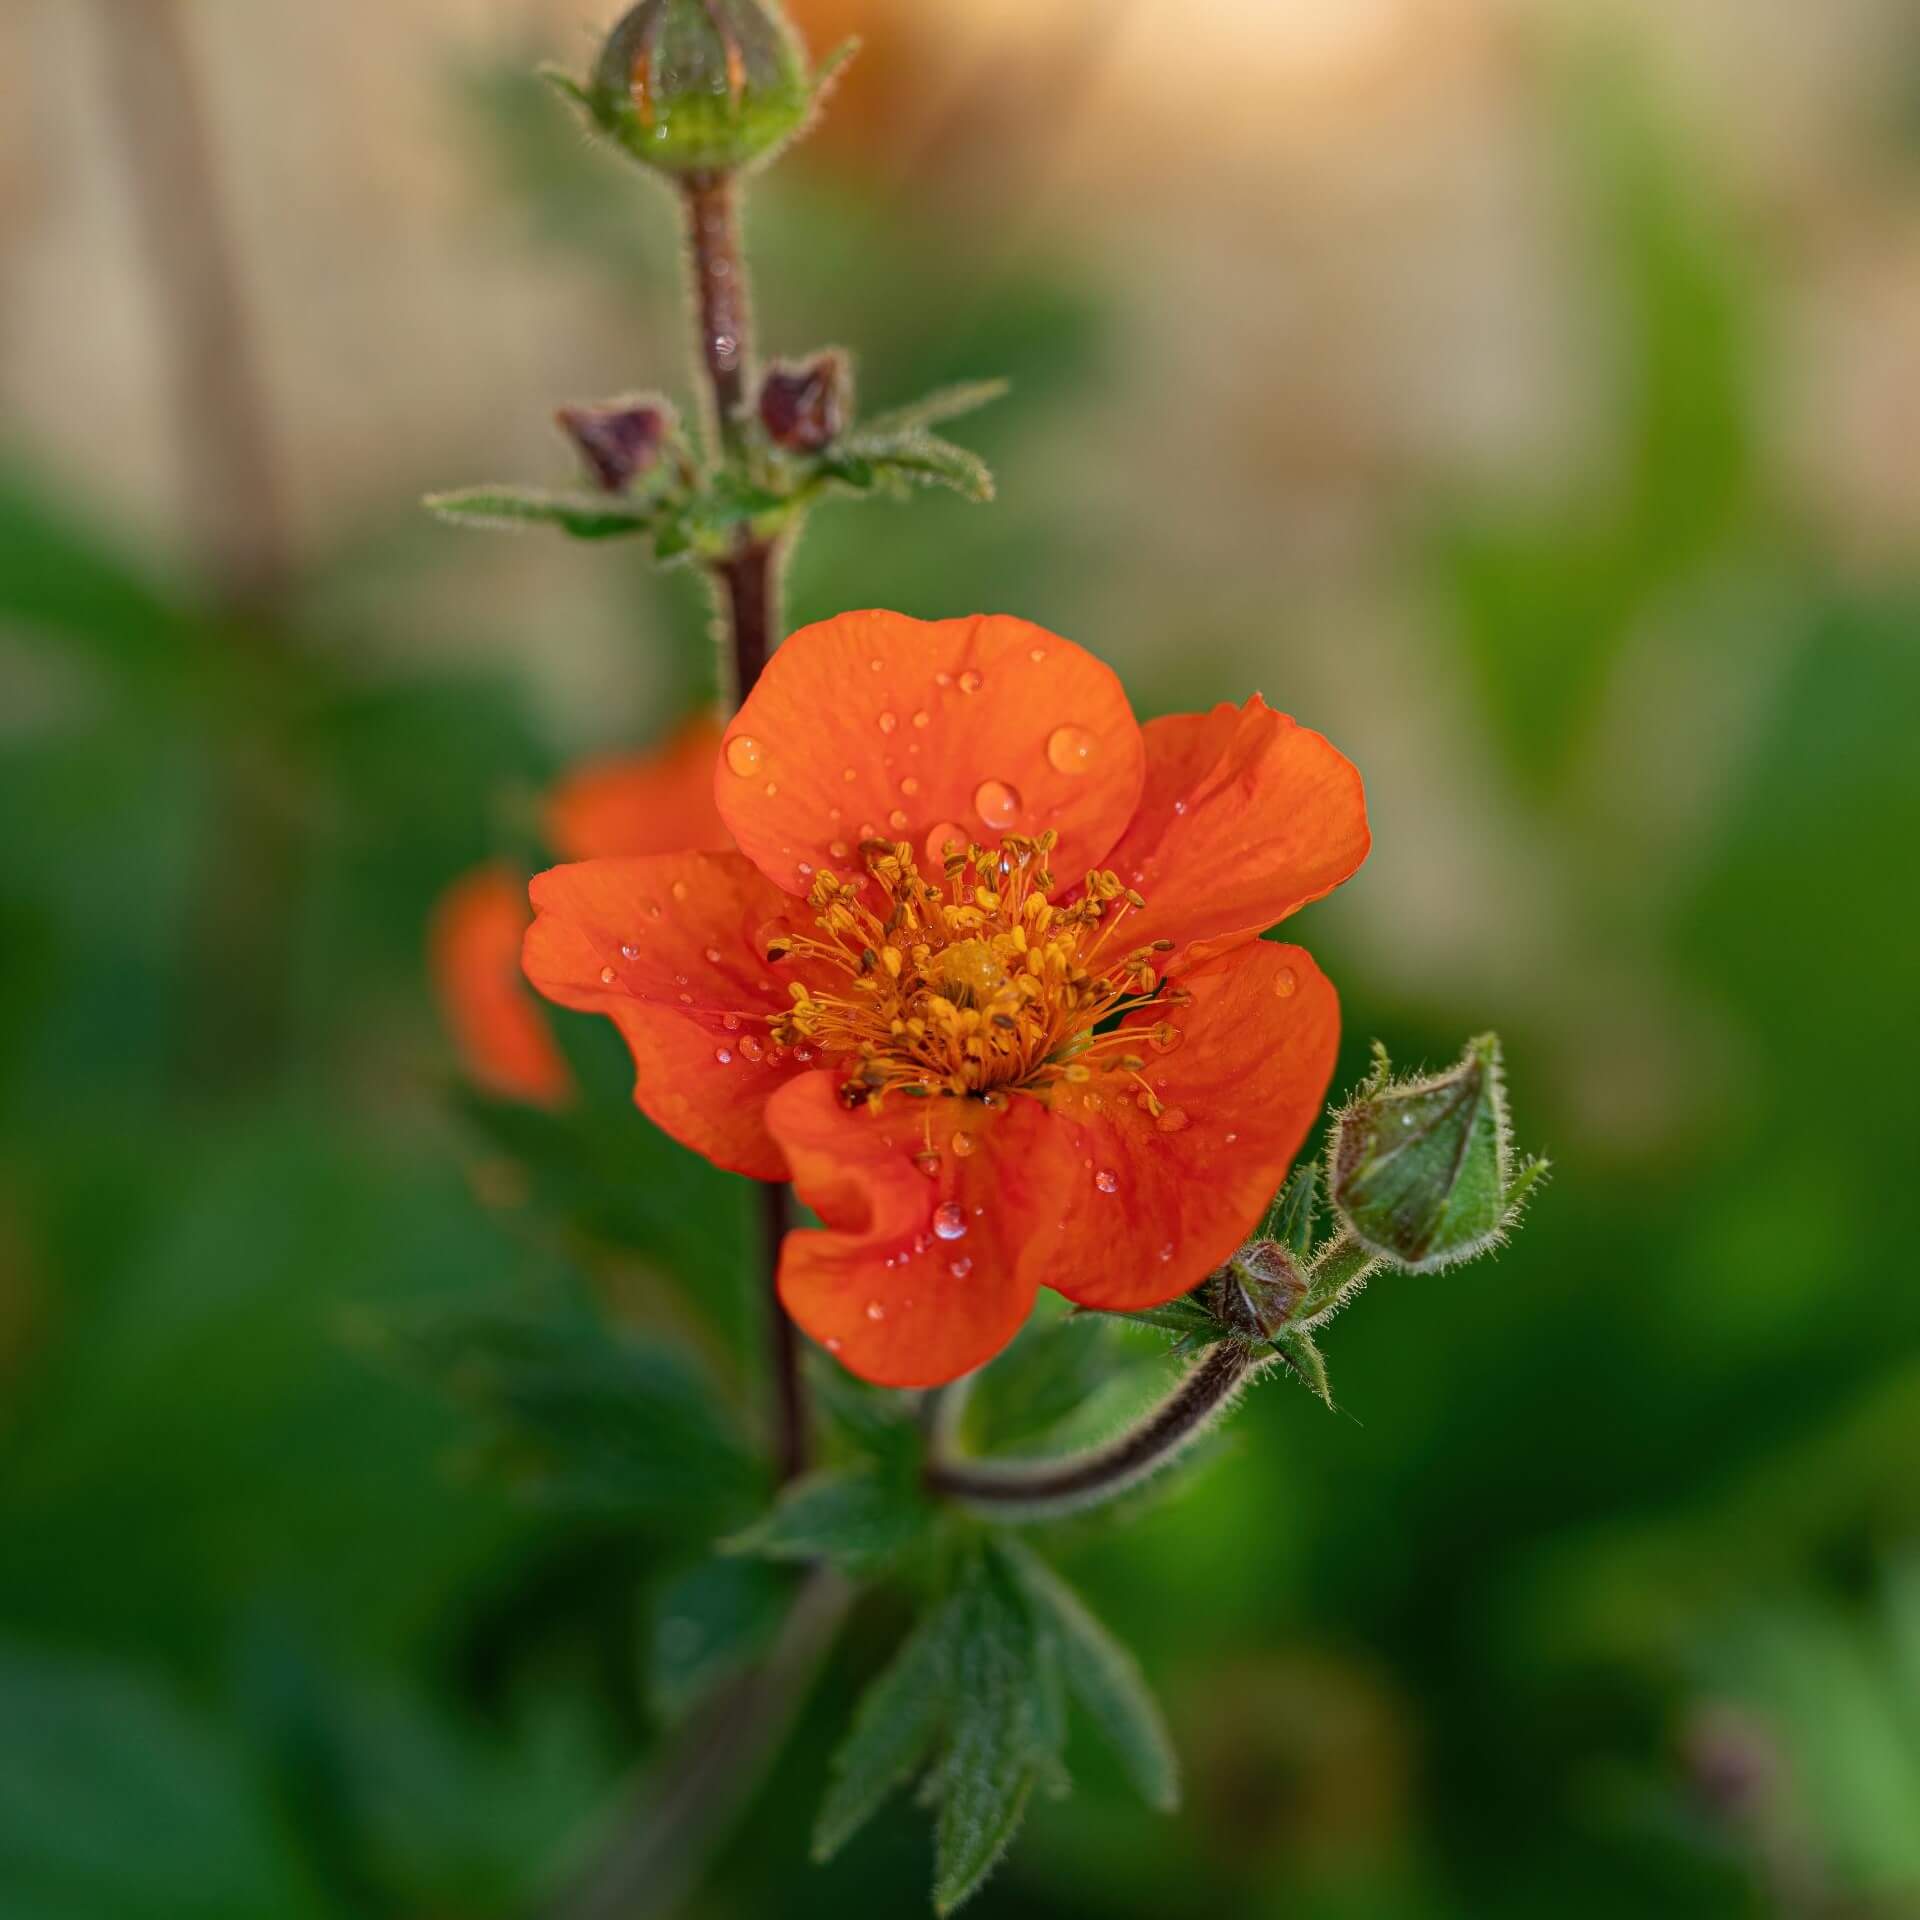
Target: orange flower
(640, 803)
(983, 978)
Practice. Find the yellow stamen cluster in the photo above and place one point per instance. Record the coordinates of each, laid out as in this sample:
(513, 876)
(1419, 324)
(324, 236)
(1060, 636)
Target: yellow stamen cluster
(978, 986)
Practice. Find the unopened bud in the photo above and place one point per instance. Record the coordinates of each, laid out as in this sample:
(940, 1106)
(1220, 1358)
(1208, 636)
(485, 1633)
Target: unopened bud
(803, 408)
(694, 86)
(1421, 1171)
(1259, 1290)
(618, 441)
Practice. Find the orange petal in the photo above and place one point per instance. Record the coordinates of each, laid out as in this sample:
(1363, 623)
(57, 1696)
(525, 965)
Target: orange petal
(920, 1275)
(1136, 1209)
(671, 946)
(873, 723)
(1246, 816)
(640, 803)
(473, 959)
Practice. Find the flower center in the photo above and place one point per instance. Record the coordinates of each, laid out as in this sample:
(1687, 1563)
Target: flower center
(973, 985)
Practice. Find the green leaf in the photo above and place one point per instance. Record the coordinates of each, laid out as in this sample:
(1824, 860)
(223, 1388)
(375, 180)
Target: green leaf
(586, 516)
(857, 1517)
(583, 1417)
(1103, 1676)
(944, 403)
(1296, 1347)
(922, 459)
(993, 1755)
(1050, 1371)
(894, 1727)
(1291, 1218)
(709, 1621)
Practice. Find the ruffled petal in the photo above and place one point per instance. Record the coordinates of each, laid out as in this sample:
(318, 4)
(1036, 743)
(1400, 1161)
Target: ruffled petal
(921, 1274)
(473, 959)
(1245, 817)
(925, 731)
(654, 802)
(672, 947)
(1138, 1209)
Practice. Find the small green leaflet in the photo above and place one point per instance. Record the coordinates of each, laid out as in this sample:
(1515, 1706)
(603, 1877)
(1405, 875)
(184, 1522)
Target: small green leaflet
(858, 1517)
(587, 516)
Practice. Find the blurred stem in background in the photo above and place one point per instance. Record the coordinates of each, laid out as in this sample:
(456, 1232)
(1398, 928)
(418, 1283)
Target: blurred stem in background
(237, 1027)
(747, 581)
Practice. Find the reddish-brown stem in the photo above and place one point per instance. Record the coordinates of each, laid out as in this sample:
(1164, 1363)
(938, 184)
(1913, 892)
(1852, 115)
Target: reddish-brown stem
(748, 582)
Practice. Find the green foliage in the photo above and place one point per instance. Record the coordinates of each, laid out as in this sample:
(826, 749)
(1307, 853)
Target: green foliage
(710, 1620)
(586, 516)
(860, 1518)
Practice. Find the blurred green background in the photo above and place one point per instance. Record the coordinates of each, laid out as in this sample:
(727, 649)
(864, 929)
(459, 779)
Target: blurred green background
(1523, 393)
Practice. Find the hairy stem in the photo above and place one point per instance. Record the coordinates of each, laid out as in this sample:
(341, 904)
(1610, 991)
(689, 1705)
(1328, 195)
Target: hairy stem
(703, 1776)
(1016, 1491)
(747, 581)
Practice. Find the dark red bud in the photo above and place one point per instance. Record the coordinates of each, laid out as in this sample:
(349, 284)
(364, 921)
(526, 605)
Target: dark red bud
(801, 407)
(618, 442)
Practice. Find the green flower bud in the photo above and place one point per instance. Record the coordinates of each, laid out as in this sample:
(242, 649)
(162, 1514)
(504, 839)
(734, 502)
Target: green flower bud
(1259, 1290)
(700, 86)
(1421, 1171)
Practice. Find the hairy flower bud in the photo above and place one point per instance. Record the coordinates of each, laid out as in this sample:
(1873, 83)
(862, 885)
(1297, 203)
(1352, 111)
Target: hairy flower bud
(1421, 1171)
(619, 441)
(803, 407)
(1259, 1290)
(697, 86)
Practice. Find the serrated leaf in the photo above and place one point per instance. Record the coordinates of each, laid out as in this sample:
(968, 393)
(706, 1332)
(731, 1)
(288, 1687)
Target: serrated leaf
(991, 1760)
(586, 516)
(857, 1517)
(1103, 1676)
(1183, 1316)
(894, 1728)
(944, 403)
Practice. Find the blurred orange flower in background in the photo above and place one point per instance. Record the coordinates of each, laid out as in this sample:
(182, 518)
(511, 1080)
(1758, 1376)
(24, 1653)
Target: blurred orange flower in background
(623, 804)
(982, 976)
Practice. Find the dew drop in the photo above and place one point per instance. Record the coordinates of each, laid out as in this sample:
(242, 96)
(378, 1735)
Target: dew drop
(875, 1311)
(745, 754)
(772, 789)
(943, 679)
(963, 1144)
(1163, 1037)
(909, 786)
(1107, 1180)
(1172, 1119)
(897, 820)
(928, 1163)
(997, 803)
(1166, 1253)
(1231, 1138)
(1179, 806)
(833, 1345)
(686, 999)
(731, 1022)
(752, 1049)
(804, 1054)
(653, 911)
(944, 839)
(608, 976)
(839, 849)
(806, 872)
(876, 666)
(949, 1220)
(681, 980)
(1037, 655)
(961, 1267)
(849, 774)
(1284, 983)
(1071, 749)
(724, 1055)
(713, 956)
(888, 723)
(923, 718)
(631, 953)
(971, 681)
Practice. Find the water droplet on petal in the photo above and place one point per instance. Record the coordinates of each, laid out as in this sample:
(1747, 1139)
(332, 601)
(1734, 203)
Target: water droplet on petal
(897, 820)
(849, 774)
(752, 1049)
(923, 718)
(1179, 806)
(633, 953)
(744, 755)
(949, 1220)
(772, 789)
(713, 956)
(724, 1055)
(888, 723)
(833, 1345)
(608, 976)
(909, 786)
(943, 679)
(946, 838)
(963, 1144)
(960, 1268)
(1071, 749)
(876, 666)
(928, 1163)
(1166, 1253)
(997, 803)
(839, 849)
(1037, 655)
(731, 1022)
(1172, 1119)
(971, 681)
(1163, 1037)
(1107, 1180)
(875, 1311)
(1284, 983)
(1231, 1138)
(804, 1054)
(679, 889)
